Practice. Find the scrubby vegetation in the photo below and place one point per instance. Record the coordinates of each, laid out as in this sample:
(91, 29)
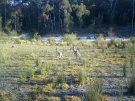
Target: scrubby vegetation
(31, 70)
(70, 67)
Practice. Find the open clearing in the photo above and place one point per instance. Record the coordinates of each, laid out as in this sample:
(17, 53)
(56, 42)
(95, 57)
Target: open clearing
(31, 72)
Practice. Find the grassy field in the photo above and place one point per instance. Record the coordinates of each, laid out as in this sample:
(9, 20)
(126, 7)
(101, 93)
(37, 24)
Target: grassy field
(31, 71)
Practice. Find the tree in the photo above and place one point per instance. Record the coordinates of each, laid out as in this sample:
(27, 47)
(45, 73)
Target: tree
(81, 12)
(66, 8)
(46, 16)
(16, 22)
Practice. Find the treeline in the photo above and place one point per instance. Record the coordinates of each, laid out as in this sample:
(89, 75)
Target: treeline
(50, 16)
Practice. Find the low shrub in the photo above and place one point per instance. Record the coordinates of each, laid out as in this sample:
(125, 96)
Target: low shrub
(70, 38)
(49, 88)
(36, 36)
(4, 56)
(38, 62)
(80, 77)
(132, 39)
(94, 93)
(61, 79)
(100, 41)
(112, 43)
(64, 86)
(30, 74)
(22, 77)
(40, 71)
(51, 40)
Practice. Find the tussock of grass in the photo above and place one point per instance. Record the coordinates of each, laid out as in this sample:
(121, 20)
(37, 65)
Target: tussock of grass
(95, 91)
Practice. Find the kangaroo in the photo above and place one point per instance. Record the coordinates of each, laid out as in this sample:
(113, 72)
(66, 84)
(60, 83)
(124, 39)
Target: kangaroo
(59, 53)
(77, 53)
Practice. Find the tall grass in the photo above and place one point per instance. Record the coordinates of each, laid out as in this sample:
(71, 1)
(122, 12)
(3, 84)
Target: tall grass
(131, 51)
(30, 74)
(120, 94)
(132, 82)
(4, 55)
(81, 77)
(94, 92)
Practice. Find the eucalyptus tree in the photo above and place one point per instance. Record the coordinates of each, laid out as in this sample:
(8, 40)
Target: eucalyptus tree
(4, 9)
(16, 19)
(81, 12)
(67, 18)
(45, 17)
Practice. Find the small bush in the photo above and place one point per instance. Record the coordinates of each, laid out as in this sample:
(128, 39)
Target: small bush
(19, 41)
(4, 56)
(131, 49)
(70, 38)
(49, 88)
(23, 77)
(132, 82)
(80, 77)
(51, 40)
(64, 86)
(132, 39)
(38, 62)
(95, 91)
(100, 41)
(41, 71)
(61, 79)
(30, 74)
(7, 96)
(36, 36)
(112, 43)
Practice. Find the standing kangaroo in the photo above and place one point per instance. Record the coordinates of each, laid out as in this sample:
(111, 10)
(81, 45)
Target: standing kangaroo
(77, 53)
(59, 53)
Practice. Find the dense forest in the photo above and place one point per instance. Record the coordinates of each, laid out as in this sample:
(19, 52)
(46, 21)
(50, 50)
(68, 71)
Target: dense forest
(50, 16)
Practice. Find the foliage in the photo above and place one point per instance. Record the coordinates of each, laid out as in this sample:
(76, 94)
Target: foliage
(22, 77)
(30, 74)
(61, 79)
(132, 39)
(64, 86)
(38, 62)
(100, 41)
(81, 77)
(81, 12)
(111, 43)
(4, 56)
(41, 71)
(49, 88)
(51, 40)
(62, 16)
(70, 38)
(36, 36)
(94, 92)
(132, 83)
